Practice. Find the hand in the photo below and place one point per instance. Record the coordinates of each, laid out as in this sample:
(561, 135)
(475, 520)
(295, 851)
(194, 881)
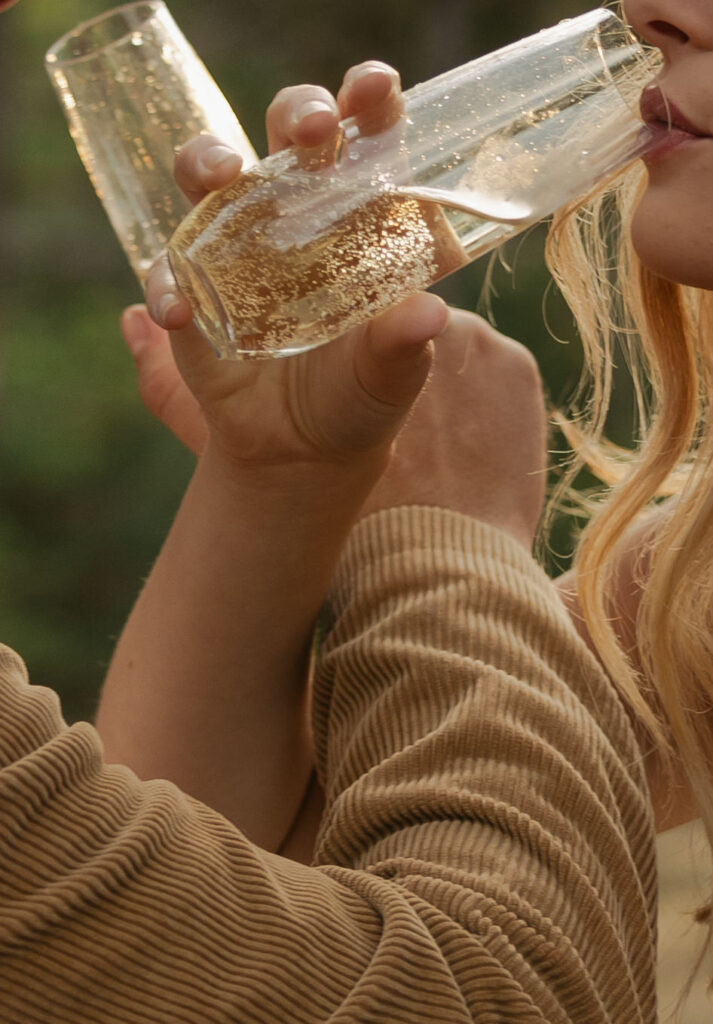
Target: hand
(161, 387)
(476, 440)
(343, 400)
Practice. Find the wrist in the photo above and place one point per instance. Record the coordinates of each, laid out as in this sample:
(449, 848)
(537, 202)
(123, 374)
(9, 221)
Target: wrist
(324, 489)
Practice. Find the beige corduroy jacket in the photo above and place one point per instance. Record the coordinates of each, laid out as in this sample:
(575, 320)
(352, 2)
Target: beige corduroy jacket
(486, 853)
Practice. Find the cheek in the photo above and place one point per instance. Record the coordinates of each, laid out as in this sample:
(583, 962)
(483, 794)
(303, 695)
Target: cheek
(672, 231)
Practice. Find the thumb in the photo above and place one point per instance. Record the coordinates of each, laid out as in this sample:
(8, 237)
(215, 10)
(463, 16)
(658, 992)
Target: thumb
(394, 357)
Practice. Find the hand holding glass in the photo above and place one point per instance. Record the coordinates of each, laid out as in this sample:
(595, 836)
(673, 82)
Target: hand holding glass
(288, 257)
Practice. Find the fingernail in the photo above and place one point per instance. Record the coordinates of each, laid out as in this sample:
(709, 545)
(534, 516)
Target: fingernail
(355, 74)
(312, 107)
(135, 331)
(168, 302)
(217, 156)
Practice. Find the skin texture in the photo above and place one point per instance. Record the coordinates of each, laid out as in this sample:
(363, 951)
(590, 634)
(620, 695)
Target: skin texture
(678, 203)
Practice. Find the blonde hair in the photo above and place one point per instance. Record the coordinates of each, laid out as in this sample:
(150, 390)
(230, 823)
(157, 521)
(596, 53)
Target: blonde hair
(666, 333)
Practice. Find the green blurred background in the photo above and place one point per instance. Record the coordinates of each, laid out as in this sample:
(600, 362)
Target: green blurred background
(89, 481)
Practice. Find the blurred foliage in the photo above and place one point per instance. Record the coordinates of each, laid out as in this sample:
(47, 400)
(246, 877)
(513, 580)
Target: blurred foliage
(89, 482)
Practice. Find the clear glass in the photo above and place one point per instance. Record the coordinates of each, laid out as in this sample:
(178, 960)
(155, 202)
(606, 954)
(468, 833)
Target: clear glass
(134, 91)
(290, 256)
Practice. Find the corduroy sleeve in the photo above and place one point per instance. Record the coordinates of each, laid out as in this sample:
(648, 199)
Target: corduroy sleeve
(486, 853)
(473, 753)
(126, 902)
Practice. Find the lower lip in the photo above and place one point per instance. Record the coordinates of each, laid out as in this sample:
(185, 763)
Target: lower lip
(664, 140)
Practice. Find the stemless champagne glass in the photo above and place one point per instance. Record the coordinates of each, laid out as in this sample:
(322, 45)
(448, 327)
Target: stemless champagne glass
(134, 91)
(290, 257)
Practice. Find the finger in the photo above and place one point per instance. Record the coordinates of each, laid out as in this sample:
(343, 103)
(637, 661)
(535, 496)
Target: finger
(393, 361)
(306, 116)
(160, 385)
(167, 306)
(371, 94)
(205, 164)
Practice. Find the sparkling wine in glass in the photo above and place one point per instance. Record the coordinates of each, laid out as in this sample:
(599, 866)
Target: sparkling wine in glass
(289, 257)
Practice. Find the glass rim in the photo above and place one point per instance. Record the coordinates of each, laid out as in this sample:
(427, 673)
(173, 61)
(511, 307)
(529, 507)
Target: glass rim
(52, 58)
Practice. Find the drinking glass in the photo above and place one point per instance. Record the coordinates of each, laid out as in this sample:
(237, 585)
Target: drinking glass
(134, 91)
(289, 256)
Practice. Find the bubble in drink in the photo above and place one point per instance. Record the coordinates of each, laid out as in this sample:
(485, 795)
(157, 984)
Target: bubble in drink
(281, 270)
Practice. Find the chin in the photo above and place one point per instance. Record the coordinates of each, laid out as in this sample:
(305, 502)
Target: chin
(678, 249)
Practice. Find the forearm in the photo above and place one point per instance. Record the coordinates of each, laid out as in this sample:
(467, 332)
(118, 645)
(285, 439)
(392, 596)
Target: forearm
(207, 686)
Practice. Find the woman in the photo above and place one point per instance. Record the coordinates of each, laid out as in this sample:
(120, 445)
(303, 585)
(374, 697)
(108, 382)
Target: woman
(486, 848)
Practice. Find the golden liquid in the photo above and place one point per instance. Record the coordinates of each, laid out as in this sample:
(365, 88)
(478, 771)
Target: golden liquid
(270, 267)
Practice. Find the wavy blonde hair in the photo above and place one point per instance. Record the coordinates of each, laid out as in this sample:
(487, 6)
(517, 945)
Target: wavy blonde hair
(666, 333)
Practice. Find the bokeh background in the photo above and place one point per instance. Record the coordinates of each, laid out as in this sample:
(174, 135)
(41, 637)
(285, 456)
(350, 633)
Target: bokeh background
(88, 482)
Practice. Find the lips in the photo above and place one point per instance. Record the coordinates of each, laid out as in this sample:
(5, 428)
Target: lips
(668, 129)
(657, 110)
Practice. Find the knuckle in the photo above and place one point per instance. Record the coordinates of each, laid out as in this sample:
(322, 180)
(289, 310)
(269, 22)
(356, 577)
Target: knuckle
(185, 161)
(502, 357)
(186, 153)
(525, 382)
(525, 362)
(280, 100)
(293, 95)
(513, 355)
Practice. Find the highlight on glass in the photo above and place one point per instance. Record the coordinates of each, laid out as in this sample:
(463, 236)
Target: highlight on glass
(134, 91)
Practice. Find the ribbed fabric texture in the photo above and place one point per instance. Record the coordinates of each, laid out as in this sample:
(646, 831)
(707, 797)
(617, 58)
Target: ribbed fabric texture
(486, 855)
